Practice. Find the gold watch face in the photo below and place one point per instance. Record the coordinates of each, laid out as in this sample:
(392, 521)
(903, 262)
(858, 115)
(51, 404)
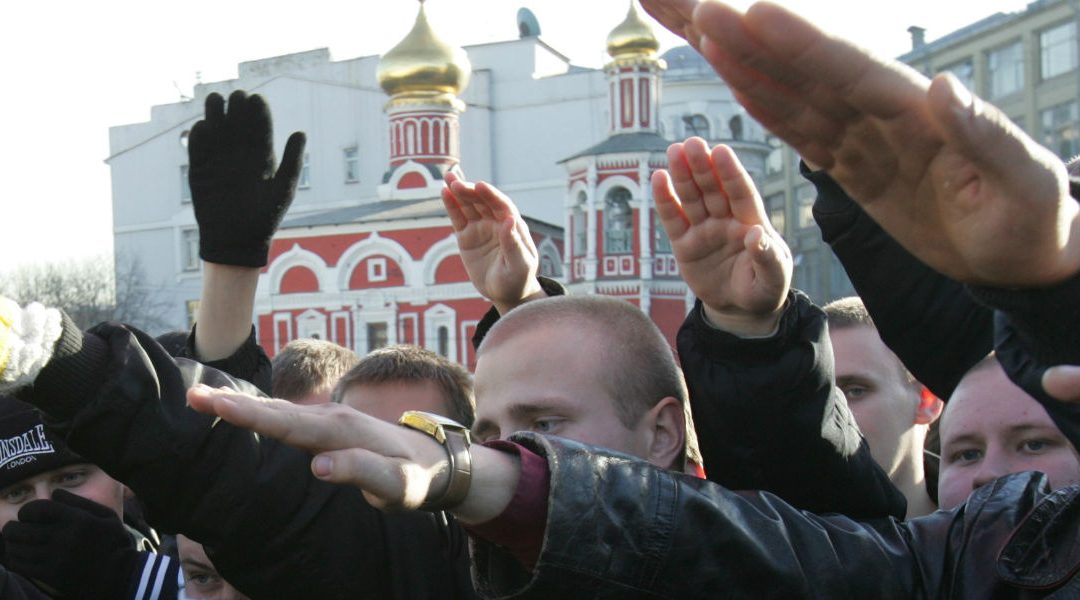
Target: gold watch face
(428, 423)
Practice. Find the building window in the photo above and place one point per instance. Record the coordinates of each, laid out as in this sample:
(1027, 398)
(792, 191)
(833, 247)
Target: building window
(376, 269)
(444, 341)
(618, 222)
(696, 125)
(547, 266)
(805, 195)
(305, 173)
(774, 162)
(185, 184)
(964, 71)
(580, 225)
(189, 250)
(662, 242)
(735, 124)
(776, 207)
(192, 312)
(352, 165)
(1061, 130)
(1006, 67)
(1057, 46)
(377, 336)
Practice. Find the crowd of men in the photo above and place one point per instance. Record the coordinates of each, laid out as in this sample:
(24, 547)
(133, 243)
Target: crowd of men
(917, 441)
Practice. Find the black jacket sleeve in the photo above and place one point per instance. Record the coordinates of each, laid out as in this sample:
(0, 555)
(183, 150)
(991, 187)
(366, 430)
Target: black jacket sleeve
(1035, 330)
(920, 314)
(618, 527)
(769, 418)
(272, 528)
(249, 363)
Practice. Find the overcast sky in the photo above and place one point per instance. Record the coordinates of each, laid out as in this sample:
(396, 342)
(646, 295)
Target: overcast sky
(74, 68)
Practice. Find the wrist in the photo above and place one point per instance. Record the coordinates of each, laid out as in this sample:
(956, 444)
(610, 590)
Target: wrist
(532, 291)
(744, 324)
(494, 480)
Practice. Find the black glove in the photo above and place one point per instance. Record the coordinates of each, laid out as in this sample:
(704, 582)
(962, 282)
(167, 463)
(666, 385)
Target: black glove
(239, 199)
(73, 546)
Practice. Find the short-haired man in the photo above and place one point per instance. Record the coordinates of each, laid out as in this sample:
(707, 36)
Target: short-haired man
(620, 388)
(991, 428)
(61, 519)
(390, 380)
(893, 410)
(201, 579)
(306, 370)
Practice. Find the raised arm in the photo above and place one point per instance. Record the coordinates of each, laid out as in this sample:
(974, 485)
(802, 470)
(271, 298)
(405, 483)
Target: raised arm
(915, 308)
(756, 355)
(239, 199)
(616, 524)
(119, 400)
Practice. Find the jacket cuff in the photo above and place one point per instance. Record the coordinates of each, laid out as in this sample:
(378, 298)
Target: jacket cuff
(721, 345)
(1044, 318)
(833, 205)
(492, 316)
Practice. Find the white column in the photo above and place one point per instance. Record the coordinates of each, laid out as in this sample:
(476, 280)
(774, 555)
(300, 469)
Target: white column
(591, 221)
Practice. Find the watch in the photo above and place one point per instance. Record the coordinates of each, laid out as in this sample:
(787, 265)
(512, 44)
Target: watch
(455, 438)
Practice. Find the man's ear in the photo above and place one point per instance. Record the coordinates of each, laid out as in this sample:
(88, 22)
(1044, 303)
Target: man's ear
(668, 433)
(930, 407)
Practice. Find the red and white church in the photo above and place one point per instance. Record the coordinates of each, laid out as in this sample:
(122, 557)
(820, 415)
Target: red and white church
(388, 271)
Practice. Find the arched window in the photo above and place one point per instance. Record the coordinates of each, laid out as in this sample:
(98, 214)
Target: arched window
(580, 225)
(696, 125)
(662, 244)
(444, 340)
(736, 127)
(618, 222)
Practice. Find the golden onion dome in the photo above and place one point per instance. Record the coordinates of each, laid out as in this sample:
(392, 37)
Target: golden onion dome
(632, 37)
(423, 63)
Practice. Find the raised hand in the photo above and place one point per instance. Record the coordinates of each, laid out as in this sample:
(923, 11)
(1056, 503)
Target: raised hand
(239, 198)
(494, 242)
(728, 252)
(947, 175)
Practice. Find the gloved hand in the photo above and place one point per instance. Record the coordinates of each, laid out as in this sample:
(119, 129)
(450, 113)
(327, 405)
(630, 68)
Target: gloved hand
(72, 545)
(238, 197)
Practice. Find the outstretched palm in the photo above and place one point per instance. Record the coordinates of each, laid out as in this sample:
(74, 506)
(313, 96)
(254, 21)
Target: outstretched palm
(494, 242)
(728, 253)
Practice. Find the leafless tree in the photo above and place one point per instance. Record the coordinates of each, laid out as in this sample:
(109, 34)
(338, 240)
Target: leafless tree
(91, 290)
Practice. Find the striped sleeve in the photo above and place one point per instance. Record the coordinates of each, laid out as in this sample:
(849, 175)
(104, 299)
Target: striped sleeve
(158, 578)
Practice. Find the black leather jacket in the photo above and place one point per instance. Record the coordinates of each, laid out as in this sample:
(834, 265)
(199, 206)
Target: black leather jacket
(272, 529)
(618, 527)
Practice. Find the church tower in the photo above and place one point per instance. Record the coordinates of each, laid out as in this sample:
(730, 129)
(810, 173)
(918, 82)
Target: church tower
(615, 243)
(423, 75)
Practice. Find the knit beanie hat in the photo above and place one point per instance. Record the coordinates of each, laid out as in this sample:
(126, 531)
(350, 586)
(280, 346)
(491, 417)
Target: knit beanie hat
(26, 449)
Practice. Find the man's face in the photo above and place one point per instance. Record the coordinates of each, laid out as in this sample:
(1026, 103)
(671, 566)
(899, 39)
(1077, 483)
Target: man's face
(83, 479)
(548, 380)
(992, 428)
(881, 399)
(387, 401)
(201, 579)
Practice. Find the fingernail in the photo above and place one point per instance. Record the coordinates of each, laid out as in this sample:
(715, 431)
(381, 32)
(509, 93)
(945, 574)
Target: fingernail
(763, 243)
(322, 466)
